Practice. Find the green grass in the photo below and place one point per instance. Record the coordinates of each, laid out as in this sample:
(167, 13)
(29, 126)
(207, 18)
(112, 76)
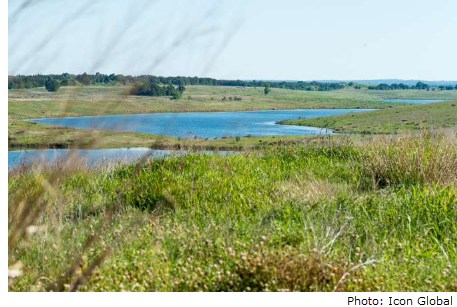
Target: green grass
(380, 211)
(97, 100)
(388, 121)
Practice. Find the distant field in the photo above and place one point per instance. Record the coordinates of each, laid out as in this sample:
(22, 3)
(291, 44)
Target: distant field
(392, 120)
(97, 100)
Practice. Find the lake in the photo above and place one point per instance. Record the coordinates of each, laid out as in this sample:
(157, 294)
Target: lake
(203, 124)
(92, 156)
(419, 101)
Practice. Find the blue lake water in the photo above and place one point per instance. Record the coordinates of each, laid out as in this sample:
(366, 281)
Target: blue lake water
(203, 124)
(419, 101)
(91, 157)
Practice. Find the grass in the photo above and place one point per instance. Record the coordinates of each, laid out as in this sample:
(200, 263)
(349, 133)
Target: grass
(388, 121)
(340, 214)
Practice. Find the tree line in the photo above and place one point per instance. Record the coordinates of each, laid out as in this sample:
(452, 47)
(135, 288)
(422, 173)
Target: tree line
(291, 85)
(65, 79)
(22, 81)
(418, 86)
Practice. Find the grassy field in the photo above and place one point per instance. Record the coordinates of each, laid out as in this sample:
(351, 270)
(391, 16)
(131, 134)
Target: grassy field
(378, 214)
(97, 100)
(388, 121)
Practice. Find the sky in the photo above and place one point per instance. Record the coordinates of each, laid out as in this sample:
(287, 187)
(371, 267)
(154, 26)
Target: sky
(249, 39)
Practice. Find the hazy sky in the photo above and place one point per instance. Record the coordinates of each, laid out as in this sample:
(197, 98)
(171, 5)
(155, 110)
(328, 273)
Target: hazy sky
(254, 39)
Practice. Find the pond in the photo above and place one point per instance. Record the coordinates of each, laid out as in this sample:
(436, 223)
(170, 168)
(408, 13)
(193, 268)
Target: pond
(203, 124)
(92, 157)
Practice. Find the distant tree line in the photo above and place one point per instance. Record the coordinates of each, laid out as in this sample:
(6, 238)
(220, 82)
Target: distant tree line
(401, 86)
(291, 85)
(65, 79)
(21, 81)
(447, 88)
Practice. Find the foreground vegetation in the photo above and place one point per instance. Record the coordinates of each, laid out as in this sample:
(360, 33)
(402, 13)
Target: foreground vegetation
(388, 121)
(378, 214)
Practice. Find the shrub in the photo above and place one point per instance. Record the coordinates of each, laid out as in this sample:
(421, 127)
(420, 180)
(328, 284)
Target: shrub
(52, 85)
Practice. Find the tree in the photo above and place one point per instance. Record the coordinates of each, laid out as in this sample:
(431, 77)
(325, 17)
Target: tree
(421, 86)
(52, 85)
(152, 88)
(84, 79)
(121, 79)
(176, 95)
(267, 89)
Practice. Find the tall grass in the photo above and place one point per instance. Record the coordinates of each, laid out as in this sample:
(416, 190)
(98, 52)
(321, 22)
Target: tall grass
(429, 157)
